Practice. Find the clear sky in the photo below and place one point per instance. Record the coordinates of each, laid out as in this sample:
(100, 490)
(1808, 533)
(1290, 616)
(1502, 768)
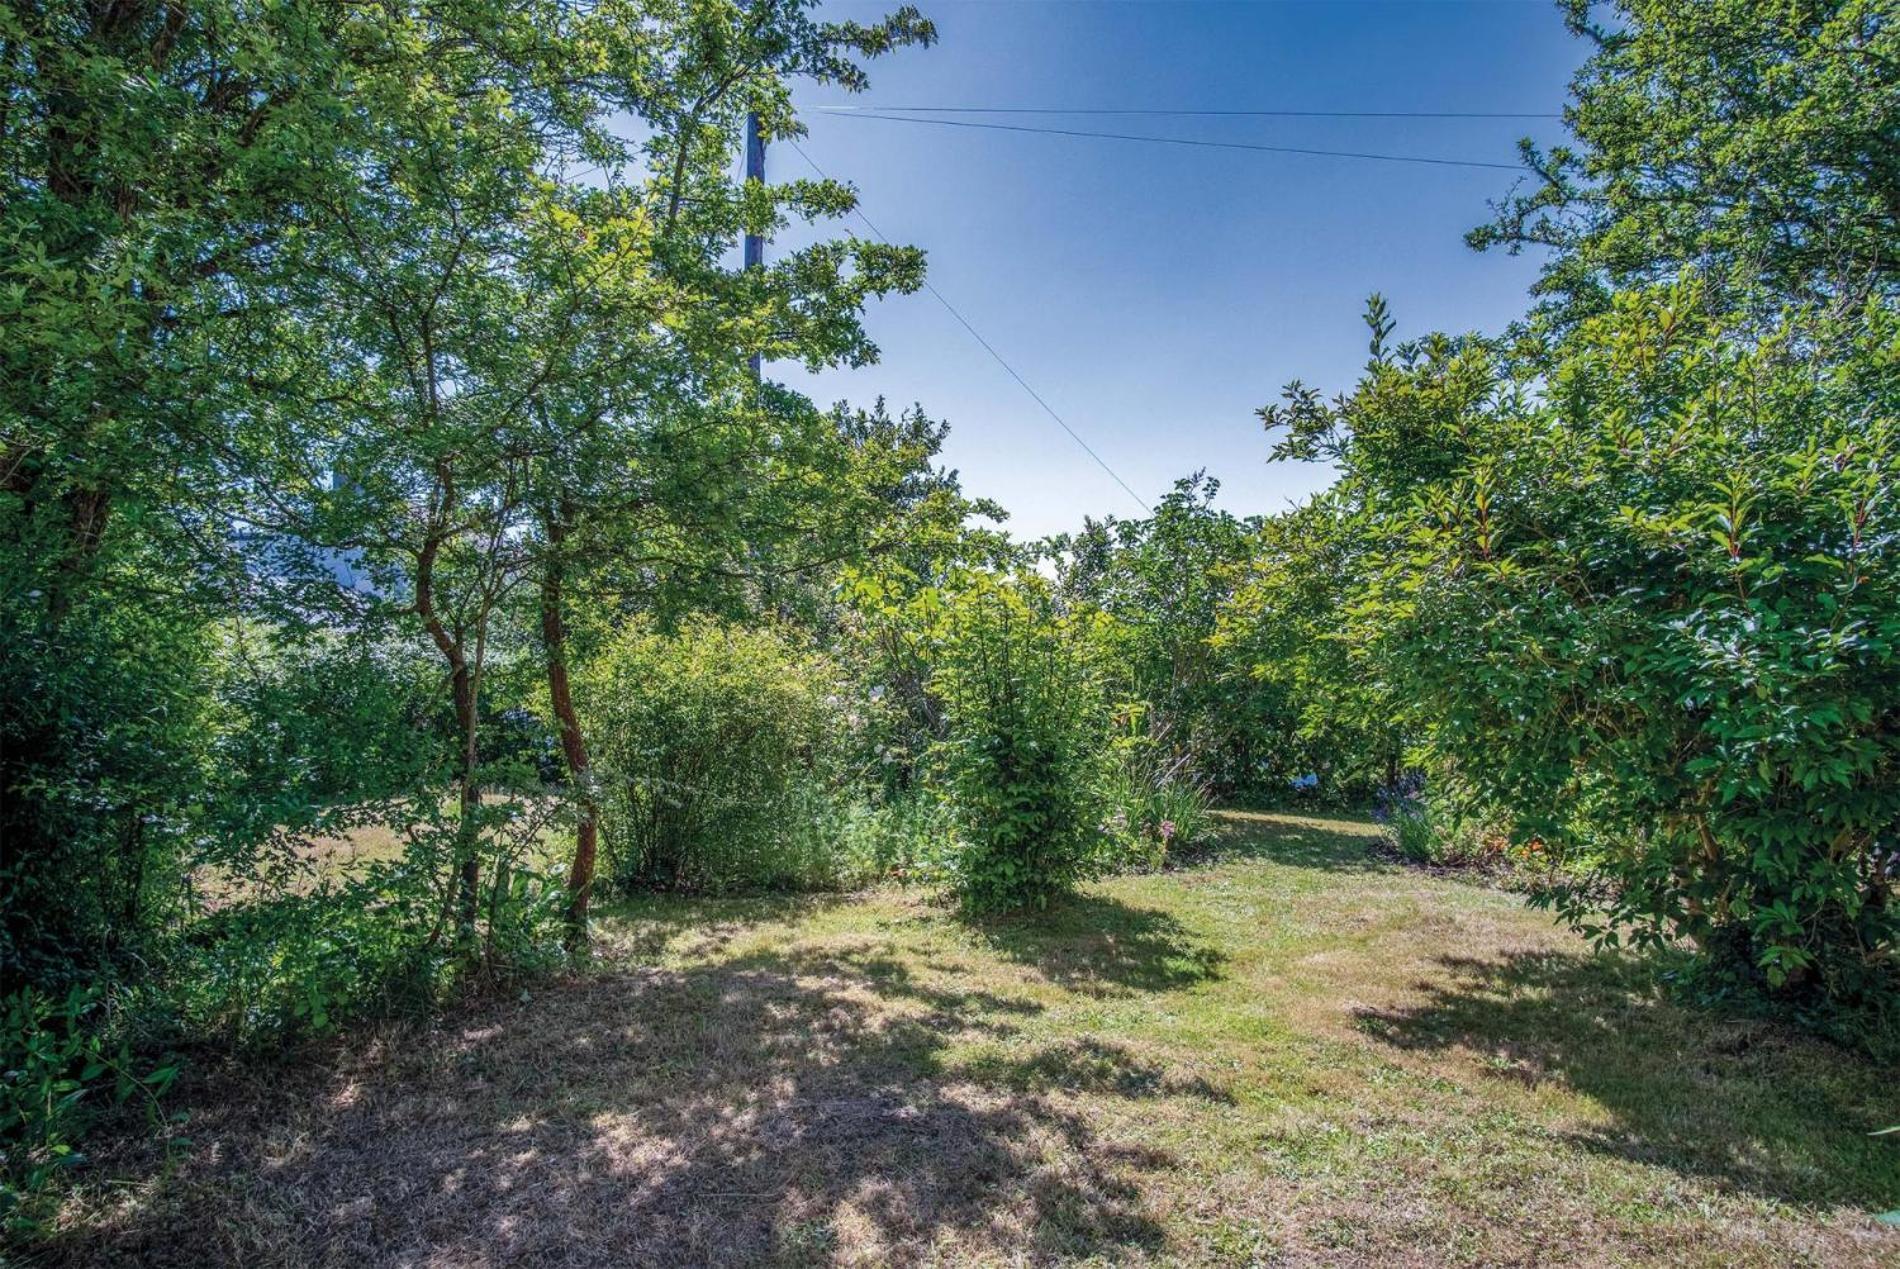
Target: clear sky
(1157, 295)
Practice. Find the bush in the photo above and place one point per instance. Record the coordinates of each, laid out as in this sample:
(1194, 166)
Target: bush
(719, 752)
(104, 758)
(905, 836)
(303, 949)
(326, 737)
(1430, 829)
(1024, 759)
(1654, 612)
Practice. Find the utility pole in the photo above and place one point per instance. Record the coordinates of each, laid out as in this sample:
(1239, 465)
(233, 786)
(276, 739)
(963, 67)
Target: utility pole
(754, 171)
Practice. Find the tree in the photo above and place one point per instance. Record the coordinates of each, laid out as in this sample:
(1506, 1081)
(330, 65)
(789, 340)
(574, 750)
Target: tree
(1163, 581)
(155, 157)
(670, 469)
(1656, 614)
(1756, 142)
(1631, 565)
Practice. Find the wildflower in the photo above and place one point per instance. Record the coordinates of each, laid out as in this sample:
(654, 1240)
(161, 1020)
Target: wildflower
(1166, 829)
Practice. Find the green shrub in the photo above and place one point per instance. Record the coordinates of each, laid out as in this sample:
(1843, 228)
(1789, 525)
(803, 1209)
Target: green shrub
(105, 754)
(1024, 760)
(719, 752)
(905, 836)
(1646, 600)
(299, 942)
(1430, 829)
(1412, 831)
(323, 736)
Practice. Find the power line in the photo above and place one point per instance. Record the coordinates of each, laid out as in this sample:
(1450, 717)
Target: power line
(988, 348)
(1210, 145)
(1213, 114)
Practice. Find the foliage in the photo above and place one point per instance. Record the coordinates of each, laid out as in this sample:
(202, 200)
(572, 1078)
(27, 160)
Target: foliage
(318, 740)
(1164, 581)
(1629, 571)
(105, 747)
(1438, 826)
(313, 722)
(153, 160)
(884, 615)
(295, 945)
(905, 836)
(1751, 141)
(1647, 605)
(434, 295)
(1160, 804)
(1325, 714)
(1319, 709)
(56, 1070)
(1024, 748)
(720, 753)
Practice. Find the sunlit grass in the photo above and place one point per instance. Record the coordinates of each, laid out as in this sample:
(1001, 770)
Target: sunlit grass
(1288, 1050)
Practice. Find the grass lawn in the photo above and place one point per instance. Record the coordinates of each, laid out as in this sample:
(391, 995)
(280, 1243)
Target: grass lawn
(1291, 1052)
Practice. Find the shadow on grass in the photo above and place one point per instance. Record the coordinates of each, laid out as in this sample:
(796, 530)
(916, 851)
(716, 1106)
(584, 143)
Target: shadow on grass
(776, 1108)
(1298, 841)
(1101, 946)
(1748, 1104)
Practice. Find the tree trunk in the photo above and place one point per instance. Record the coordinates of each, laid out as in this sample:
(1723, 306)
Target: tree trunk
(580, 876)
(463, 684)
(471, 800)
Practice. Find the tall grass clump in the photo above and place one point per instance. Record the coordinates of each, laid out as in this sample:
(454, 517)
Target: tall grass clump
(721, 756)
(1159, 802)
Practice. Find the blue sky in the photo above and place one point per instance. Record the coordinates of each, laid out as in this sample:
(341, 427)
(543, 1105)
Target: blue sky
(1157, 295)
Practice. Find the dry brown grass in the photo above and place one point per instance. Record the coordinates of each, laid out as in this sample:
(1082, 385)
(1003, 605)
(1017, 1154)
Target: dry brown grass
(1289, 1053)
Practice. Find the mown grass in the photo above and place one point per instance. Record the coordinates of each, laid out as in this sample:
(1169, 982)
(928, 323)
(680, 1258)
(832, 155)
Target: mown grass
(1290, 1051)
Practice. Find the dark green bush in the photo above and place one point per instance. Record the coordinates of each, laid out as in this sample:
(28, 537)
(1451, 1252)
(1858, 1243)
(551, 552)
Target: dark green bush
(106, 734)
